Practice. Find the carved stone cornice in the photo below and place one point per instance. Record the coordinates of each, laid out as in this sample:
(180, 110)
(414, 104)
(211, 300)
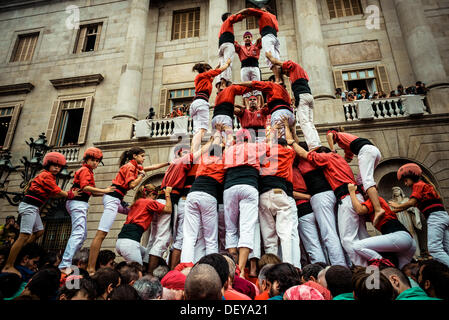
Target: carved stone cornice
(79, 81)
(12, 89)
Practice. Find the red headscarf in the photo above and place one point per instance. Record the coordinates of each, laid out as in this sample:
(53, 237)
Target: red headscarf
(174, 280)
(302, 292)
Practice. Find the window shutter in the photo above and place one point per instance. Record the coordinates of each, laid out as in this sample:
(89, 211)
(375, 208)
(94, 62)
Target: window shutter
(55, 111)
(79, 46)
(382, 77)
(97, 39)
(338, 80)
(163, 103)
(85, 121)
(12, 126)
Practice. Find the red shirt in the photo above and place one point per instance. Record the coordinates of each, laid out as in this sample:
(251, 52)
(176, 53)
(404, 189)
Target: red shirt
(244, 154)
(344, 141)
(305, 166)
(44, 186)
(253, 119)
(263, 296)
(228, 94)
(299, 185)
(274, 91)
(389, 215)
(203, 81)
(127, 173)
(336, 170)
(141, 212)
(232, 294)
(279, 162)
(176, 173)
(84, 177)
(251, 51)
(295, 71)
(427, 197)
(228, 24)
(266, 19)
(211, 166)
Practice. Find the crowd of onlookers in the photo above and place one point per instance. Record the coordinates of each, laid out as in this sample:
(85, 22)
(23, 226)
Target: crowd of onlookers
(418, 89)
(178, 111)
(217, 277)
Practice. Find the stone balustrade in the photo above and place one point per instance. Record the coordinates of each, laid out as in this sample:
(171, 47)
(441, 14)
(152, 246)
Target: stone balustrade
(397, 107)
(71, 153)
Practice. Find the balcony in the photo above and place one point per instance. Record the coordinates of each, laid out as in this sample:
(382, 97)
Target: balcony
(71, 153)
(398, 107)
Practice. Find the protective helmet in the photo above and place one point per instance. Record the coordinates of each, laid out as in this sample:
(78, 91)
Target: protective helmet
(243, 134)
(54, 158)
(409, 169)
(93, 153)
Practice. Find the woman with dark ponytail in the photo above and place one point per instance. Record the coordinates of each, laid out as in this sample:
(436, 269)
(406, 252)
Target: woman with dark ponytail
(130, 175)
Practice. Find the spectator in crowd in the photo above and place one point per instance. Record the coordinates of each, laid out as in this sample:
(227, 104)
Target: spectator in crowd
(339, 282)
(106, 279)
(338, 93)
(230, 293)
(81, 258)
(400, 90)
(310, 272)
(51, 258)
(161, 271)
(402, 287)
(173, 285)
(365, 290)
(9, 231)
(28, 260)
(375, 95)
(84, 291)
(434, 279)
(420, 88)
(363, 95)
(124, 292)
(148, 288)
(129, 272)
(203, 283)
(220, 264)
(43, 285)
(356, 93)
(10, 283)
(302, 292)
(281, 277)
(262, 282)
(392, 94)
(4, 253)
(106, 259)
(351, 96)
(411, 270)
(382, 95)
(410, 90)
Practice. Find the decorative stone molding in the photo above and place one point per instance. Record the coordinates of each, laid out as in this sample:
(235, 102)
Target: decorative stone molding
(80, 81)
(12, 89)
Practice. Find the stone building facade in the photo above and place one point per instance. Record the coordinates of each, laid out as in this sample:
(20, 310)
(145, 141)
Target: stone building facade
(129, 55)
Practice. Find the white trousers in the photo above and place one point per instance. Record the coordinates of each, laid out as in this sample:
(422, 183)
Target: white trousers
(276, 222)
(277, 117)
(78, 214)
(225, 52)
(310, 237)
(179, 225)
(111, 205)
(199, 111)
(323, 205)
(351, 228)
(30, 218)
(400, 242)
(130, 250)
(200, 211)
(368, 158)
(296, 244)
(160, 234)
(304, 116)
(250, 74)
(438, 236)
(241, 203)
(270, 43)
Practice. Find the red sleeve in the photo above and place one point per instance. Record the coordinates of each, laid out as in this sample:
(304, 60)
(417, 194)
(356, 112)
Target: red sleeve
(48, 183)
(85, 178)
(237, 47)
(369, 205)
(265, 110)
(262, 85)
(210, 74)
(236, 18)
(319, 159)
(239, 90)
(254, 12)
(129, 173)
(259, 43)
(417, 191)
(288, 65)
(154, 206)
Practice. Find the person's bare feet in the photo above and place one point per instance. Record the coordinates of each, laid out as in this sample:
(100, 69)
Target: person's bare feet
(67, 270)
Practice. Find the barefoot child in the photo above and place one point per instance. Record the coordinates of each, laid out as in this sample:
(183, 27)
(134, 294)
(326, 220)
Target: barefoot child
(78, 206)
(41, 188)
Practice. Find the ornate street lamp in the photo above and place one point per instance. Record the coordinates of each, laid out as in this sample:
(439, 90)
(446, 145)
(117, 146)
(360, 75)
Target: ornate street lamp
(38, 149)
(6, 168)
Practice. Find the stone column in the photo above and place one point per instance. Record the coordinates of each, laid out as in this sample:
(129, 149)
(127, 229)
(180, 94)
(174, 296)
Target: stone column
(424, 54)
(128, 96)
(315, 60)
(216, 9)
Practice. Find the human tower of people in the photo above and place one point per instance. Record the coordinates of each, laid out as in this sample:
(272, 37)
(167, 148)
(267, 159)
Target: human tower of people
(262, 190)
